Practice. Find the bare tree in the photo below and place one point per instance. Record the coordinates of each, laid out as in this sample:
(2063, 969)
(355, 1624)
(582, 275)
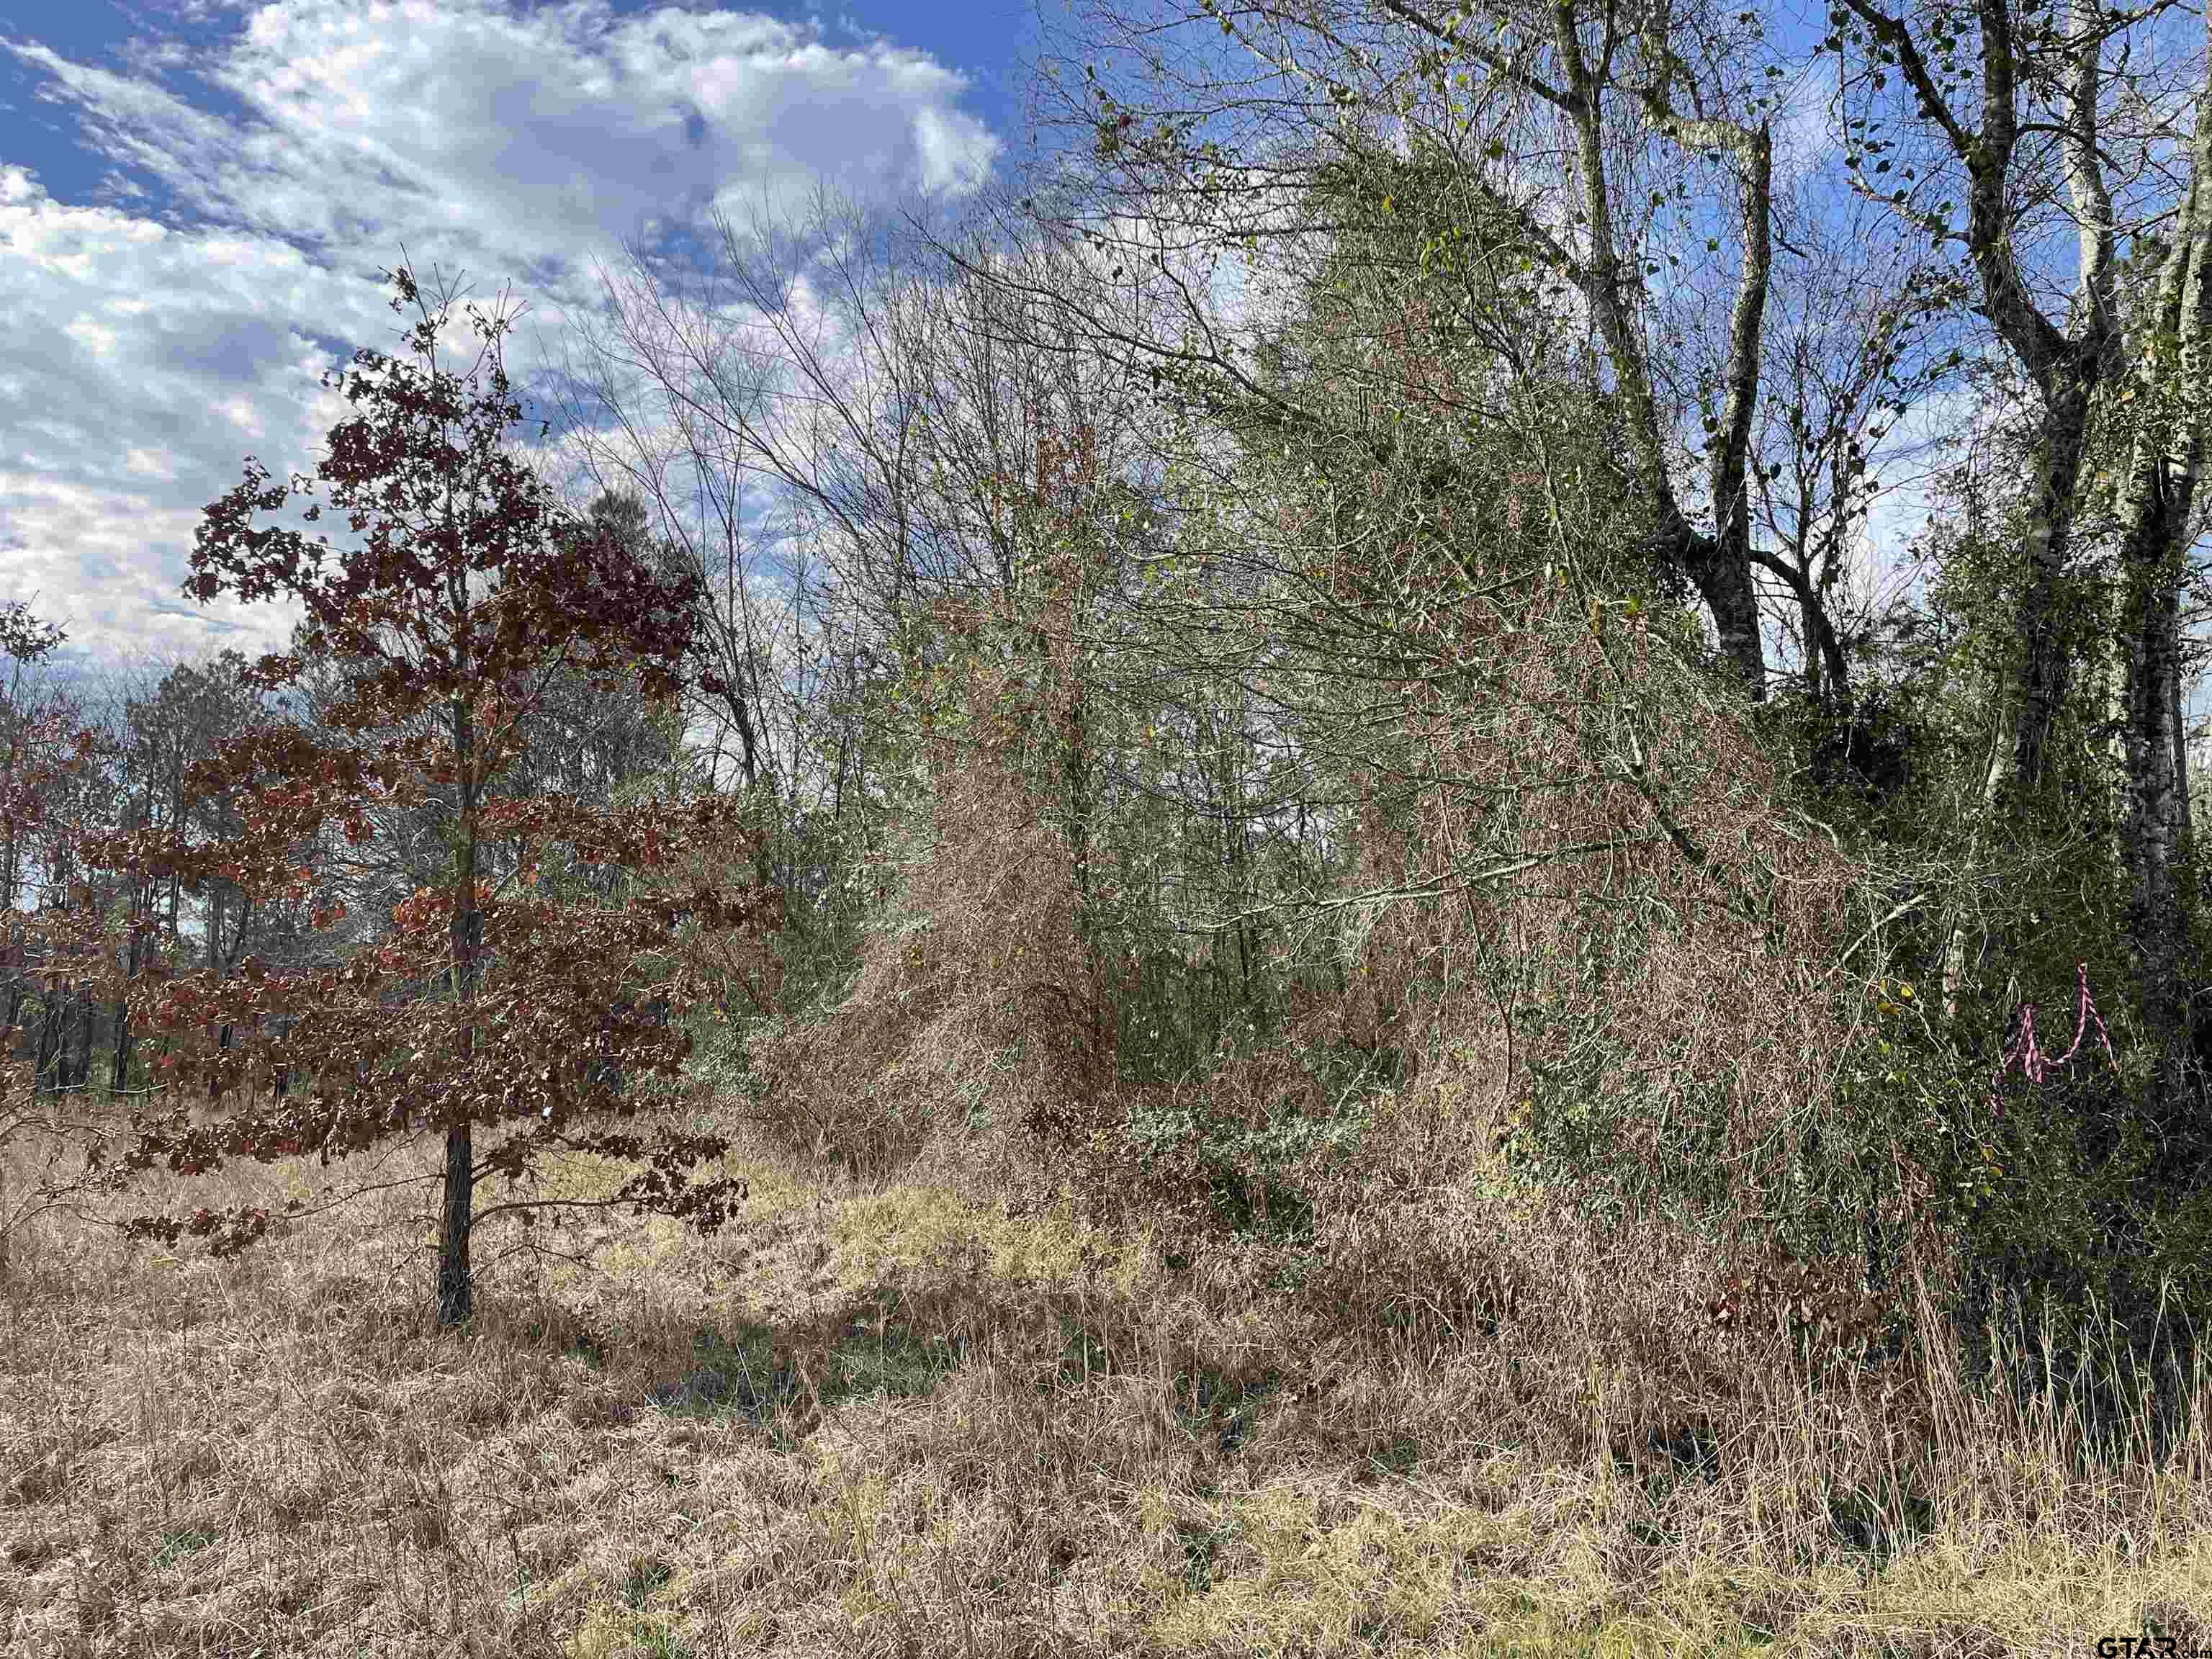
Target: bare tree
(2079, 140)
(1570, 141)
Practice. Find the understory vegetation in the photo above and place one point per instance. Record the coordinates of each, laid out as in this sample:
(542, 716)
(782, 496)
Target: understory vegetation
(1265, 899)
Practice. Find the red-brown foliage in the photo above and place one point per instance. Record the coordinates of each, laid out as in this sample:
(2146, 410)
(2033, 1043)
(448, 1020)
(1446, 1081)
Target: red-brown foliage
(485, 1005)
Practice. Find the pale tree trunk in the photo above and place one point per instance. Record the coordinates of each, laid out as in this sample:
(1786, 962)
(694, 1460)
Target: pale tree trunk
(2156, 514)
(2070, 368)
(2041, 676)
(2068, 365)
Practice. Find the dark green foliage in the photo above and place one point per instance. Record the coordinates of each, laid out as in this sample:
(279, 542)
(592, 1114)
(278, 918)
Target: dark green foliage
(2041, 1194)
(749, 1373)
(646, 1580)
(1202, 1549)
(1222, 1405)
(1249, 1174)
(738, 1374)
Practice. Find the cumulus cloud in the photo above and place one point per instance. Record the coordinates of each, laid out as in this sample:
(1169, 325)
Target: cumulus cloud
(154, 360)
(164, 334)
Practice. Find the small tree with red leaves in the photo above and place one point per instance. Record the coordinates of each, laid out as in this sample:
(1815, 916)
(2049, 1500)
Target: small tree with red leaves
(509, 1024)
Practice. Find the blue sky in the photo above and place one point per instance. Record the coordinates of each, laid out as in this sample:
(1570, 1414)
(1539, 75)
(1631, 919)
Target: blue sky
(196, 197)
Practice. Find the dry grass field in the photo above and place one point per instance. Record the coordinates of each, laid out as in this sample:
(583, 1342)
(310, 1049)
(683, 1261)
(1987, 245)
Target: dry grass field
(901, 1419)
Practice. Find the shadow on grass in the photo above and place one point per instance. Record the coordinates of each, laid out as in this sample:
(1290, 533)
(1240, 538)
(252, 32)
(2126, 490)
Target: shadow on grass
(1223, 1404)
(748, 1370)
(881, 1343)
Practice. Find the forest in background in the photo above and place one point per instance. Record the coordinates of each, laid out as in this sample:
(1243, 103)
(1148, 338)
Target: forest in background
(1448, 628)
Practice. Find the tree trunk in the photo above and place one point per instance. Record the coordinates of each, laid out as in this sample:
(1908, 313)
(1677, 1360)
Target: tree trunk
(18, 962)
(217, 1034)
(1726, 583)
(2181, 768)
(18, 979)
(47, 1068)
(2157, 514)
(2039, 690)
(1076, 764)
(118, 1073)
(2151, 645)
(118, 1065)
(1719, 565)
(1721, 571)
(2031, 691)
(456, 1286)
(2066, 362)
(77, 1065)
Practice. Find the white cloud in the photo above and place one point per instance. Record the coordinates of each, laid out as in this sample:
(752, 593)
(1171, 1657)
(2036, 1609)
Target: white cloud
(524, 135)
(153, 353)
(152, 361)
(955, 149)
(1805, 128)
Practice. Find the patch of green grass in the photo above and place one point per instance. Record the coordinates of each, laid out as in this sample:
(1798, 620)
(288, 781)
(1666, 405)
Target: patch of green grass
(1397, 1456)
(1202, 1548)
(1211, 1402)
(1881, 1522)
(875, 1353)
(881, 1353)
(178, 1542)
(1083, 1354)
(727, 1376)
(646, 1579)
(586, 1345)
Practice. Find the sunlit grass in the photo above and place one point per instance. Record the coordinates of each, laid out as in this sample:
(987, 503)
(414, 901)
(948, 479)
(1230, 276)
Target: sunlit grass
(893, 1418)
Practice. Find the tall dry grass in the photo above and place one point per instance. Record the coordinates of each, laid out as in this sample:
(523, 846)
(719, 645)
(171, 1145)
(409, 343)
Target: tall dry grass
(889, 1417)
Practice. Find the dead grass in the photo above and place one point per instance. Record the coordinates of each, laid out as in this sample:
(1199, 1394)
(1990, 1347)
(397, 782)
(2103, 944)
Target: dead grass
(892, 1419)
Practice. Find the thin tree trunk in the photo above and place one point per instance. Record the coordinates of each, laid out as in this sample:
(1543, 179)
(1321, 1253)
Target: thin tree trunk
(77, 1066)
(2181, 771)
(217, 1034)
(2067, 363)
(118, 1075)
(18, 964)
(456, 1285)
(46, 1070)
(18, 977)
(1718, 564)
